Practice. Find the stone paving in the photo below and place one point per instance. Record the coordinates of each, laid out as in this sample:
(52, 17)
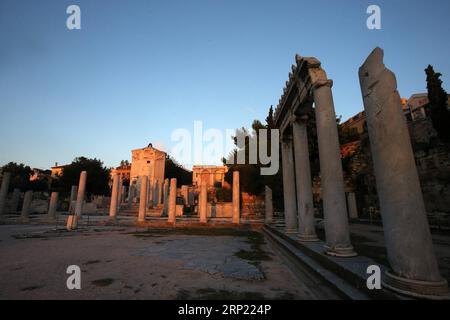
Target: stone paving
(133, 263)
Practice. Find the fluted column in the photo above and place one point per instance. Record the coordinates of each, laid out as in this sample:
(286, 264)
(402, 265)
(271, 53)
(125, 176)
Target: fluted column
(290, 210)
(305, 204)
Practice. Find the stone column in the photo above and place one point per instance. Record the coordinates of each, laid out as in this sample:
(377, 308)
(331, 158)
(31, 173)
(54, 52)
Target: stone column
(166, 196)
(53, 206)
(15, 200)
(203, 203)
(305, 204)
(73, 197)
(80, 196)
(290, 210)
(130, 195)
(160, 193)
(269, 205)
(155, 193)
(172, 201)
(351, 204)
(332, 178)
(408, 240)
(25, 214)
(236, 198)
(114, 197)
(150, 193)
(143, 199)
(4, 191)
(123, 194)
(184, 193)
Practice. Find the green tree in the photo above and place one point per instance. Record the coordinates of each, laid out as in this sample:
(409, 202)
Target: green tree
(98, 176)
(175, 170)
(251, 179)
(20, 176)
(440, 115)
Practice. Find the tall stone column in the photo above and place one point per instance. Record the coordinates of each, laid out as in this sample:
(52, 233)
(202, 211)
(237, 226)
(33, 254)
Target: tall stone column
(351, 204)
(119, 193)
(236, 198)
(80, 196)
(408, 240)
(184, 193)
(53, 206)
(156, 193)
(305, 204)
(73, 198)
(114, 197)
(123, 194)
(130, 195)
(15, 200)
(290, 210)
(268, 202)
(160, 193)
(332, 178)
(166, 196)
(25, 214)
(203, 203)
(172, 201)
(143, 199)
(4, 191)
(150, 193)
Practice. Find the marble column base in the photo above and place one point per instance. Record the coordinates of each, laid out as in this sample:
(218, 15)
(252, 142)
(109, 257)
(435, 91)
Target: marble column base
(347, 252)
(416, 288)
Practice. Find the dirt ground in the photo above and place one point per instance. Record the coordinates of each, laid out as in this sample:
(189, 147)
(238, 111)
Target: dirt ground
(131, 263)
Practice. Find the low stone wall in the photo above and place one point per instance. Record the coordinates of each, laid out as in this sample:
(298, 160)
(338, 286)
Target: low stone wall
(220, 210)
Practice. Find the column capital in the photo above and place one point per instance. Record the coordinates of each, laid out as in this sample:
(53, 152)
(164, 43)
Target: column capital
(300, 119)
(322, 83)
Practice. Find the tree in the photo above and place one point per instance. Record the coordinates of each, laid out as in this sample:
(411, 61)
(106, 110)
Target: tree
(174, 170)
(440, 115)
(98, 176)
(20, 176)
(251, 179)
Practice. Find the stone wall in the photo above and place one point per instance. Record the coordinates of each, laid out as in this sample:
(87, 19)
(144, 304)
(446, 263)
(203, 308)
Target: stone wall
(433, 166)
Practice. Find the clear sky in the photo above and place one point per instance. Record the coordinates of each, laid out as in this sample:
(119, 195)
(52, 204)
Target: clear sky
(139, 69)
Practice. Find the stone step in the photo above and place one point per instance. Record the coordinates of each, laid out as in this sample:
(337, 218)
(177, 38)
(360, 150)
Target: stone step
(346, 275)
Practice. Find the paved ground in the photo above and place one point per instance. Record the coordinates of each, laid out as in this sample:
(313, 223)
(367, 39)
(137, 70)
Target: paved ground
(130, 263)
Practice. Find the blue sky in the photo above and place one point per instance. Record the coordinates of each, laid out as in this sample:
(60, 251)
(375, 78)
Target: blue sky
(139, 69)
